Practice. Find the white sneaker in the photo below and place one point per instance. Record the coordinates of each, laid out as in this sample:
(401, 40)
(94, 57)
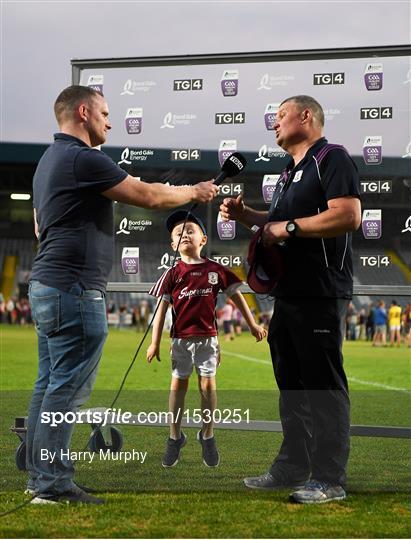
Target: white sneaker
(40, 500)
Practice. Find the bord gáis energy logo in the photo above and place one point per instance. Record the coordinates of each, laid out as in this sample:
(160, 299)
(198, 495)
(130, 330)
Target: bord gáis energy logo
(126, 226)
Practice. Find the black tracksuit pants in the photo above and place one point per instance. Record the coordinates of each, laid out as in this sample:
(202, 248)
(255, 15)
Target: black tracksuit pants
(305, 338)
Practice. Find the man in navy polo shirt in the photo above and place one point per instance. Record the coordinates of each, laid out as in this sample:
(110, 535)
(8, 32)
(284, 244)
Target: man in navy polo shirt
(315, 208)
(73, 189)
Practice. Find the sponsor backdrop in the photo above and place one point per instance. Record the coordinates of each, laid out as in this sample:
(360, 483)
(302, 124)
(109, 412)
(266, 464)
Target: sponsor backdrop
(178, 123)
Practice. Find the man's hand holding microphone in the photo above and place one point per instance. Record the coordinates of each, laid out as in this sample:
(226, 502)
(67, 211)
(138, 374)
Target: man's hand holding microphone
(204, 192)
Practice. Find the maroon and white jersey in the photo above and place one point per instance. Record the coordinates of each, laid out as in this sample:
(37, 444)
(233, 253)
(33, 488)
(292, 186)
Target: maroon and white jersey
(192, 290)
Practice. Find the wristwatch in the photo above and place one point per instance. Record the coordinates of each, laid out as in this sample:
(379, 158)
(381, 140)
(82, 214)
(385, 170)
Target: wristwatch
(291, 228)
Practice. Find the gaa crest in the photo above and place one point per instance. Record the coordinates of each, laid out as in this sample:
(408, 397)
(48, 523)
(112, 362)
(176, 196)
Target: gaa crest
(212, 278)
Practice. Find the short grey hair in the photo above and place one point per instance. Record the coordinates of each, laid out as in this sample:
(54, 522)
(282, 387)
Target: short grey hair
(310, 103)
(71, 97)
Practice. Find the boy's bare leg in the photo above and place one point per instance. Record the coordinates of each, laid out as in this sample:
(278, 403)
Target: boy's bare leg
(207, 388)
(178, 390)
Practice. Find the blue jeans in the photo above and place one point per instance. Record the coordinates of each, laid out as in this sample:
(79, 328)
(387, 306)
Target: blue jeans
(71, 329)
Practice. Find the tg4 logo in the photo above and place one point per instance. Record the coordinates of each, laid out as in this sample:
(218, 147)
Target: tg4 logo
(230, 118)
(376, 113)
(183, 154)
(187, 84)
(328, 78)
(231, 190)
(376, 186)
(376, 261)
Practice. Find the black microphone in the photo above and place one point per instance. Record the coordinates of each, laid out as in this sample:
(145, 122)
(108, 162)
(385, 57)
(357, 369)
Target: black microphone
(232, 166)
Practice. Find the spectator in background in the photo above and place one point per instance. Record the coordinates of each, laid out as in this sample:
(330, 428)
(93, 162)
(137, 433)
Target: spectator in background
(10, 311)
(237, 321)
(122, 317)
(2, 309)
(406, 325)
(25, 315)
(362, 322)
(380, 334)
(111, 306)
(264, 318)
(227, 317)
(17, 310)
(135, 317)
(145, 312)
(394, 323)
(351, 322)
(370, 324)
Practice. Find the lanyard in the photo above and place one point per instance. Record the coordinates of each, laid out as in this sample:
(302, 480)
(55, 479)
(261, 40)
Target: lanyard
(281, 187)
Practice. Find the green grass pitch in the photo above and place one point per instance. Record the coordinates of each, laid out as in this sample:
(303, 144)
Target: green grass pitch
(145, 500)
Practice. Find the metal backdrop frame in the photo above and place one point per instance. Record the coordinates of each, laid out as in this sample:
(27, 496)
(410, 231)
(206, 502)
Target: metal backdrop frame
(77, 65)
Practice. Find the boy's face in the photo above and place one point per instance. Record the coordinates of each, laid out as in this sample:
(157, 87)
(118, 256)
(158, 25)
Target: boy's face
(192, 241)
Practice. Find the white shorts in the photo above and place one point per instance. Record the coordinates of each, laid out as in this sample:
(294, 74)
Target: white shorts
(201, 352)
(395, 327)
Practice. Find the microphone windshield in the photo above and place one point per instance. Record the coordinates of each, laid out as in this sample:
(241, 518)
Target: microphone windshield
(234, 164)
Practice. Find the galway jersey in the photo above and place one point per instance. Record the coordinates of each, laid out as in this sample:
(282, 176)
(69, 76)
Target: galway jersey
(192, 290)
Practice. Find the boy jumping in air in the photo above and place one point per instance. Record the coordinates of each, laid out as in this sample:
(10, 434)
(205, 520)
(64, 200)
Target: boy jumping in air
(192, 286)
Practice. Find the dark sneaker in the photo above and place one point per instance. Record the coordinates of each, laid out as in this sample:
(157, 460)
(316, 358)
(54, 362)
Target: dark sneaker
(73, 496)
(87, 489)
(211, 457)
(173, 449)
(279, 479)
(315, 492)
(31, 491)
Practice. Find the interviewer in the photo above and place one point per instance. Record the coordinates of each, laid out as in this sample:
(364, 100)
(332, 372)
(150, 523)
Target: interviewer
(73, 189)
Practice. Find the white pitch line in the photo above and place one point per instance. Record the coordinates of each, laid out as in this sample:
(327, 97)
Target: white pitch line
(379, 385)
(352, 379)
(249, 358)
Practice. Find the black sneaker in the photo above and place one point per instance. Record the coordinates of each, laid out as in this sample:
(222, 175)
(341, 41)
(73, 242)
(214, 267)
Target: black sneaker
(31, 491)
(279, 479)
(316, 492)
(173, 449)
(211, 457)
(87, 489)
(72, 496)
